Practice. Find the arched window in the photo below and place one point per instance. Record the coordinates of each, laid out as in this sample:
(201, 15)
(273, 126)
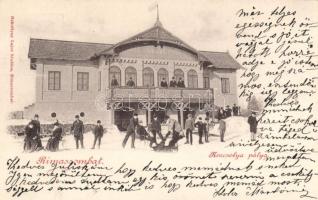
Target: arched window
(178, 73)
(131, 72)
(163, 73)
(192, 79)
(148, 77)
(114, 76)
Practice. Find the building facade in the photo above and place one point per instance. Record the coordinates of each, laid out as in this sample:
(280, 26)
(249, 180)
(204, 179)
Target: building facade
(74, 77)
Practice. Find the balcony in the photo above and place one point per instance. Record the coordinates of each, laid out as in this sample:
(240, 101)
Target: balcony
(128, 94)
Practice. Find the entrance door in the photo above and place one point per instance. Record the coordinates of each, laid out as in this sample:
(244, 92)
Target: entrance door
(122, 119)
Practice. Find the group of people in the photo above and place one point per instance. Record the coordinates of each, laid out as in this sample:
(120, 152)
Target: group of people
(163, 83)
(228, 112)
(173, 83)
(32, 141)
(174, 129)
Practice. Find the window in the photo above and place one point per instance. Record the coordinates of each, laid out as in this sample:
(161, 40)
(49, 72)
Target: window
(54, 82)
(206, 82)
(225, 84)
(82, 81)
(163, 73)
(148, 77)
(178, 73)
(131, 73)
(114, 76)
(99, 81)
(192, 79)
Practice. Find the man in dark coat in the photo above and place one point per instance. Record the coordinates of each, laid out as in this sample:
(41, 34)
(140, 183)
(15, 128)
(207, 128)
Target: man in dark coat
(252, 121)
(221, 113)
(130, 82)
(98, 134)
(180, 83)
(78, 130)
(37, 126)
(228, 111)
(163, 83)
(199, 124)
(30, 134)
(155, 128)
(173, 82)
(235, 109)
(54, 141)
(114, 82)
(131, 131)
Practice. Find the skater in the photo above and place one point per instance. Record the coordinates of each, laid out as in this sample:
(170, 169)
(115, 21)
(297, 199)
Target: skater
(175, 129)
(199, 125)
(228, 111)
(155, 128)
(54, 141)
(29, 140)
(98, 134)
(78, 130)
(222, 128)
(253, 125)
(131, 131)
(235, 109)
(189, 126)
(221, 113)
(37, 125)
(206, 126)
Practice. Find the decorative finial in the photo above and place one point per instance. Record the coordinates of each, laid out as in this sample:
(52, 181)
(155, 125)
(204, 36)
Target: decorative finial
(158, 23)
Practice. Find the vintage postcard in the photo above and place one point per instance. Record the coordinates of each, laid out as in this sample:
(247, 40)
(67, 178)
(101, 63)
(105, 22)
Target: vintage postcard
(159, 99)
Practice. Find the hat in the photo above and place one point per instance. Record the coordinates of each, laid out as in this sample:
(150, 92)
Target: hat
(76, 116)
(53, 114)
(155, 116)
(98, 122)
(82, 114)
(200, 118)
(167, 117)
(56, 124)
(135, 114)
(36, 115)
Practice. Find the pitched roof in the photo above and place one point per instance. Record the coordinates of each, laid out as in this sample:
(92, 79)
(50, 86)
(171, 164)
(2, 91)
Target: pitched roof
(70, 50)
(221, 60)
(64, 50)
(155, 33)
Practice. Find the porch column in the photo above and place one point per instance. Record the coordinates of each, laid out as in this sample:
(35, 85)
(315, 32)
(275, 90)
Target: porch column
(149, 116)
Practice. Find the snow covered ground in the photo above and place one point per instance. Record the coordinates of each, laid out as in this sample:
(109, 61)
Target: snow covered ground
(237, 129)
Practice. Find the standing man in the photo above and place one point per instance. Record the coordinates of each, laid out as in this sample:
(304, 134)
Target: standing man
(180, 83)
(98, 134)
(175, 129)
(131, 131)
(235, 110)
(114, 82)
(78, 130)
(200, 127)
(228, 111)
(189, 126)
(156, 129)
(206, 126)
(173, 82)
(37, 126)
(130, 82)
(222, 128)
(253, 125)
(163, 83)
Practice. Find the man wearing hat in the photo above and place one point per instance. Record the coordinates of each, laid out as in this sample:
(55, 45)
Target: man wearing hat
(131, 131)
(155, 128)
(98, 134)
(37, 138)
(189, 126)
(78, 130)
(252, 121)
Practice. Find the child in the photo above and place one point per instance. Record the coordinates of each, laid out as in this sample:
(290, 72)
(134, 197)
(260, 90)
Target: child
(98, 133)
